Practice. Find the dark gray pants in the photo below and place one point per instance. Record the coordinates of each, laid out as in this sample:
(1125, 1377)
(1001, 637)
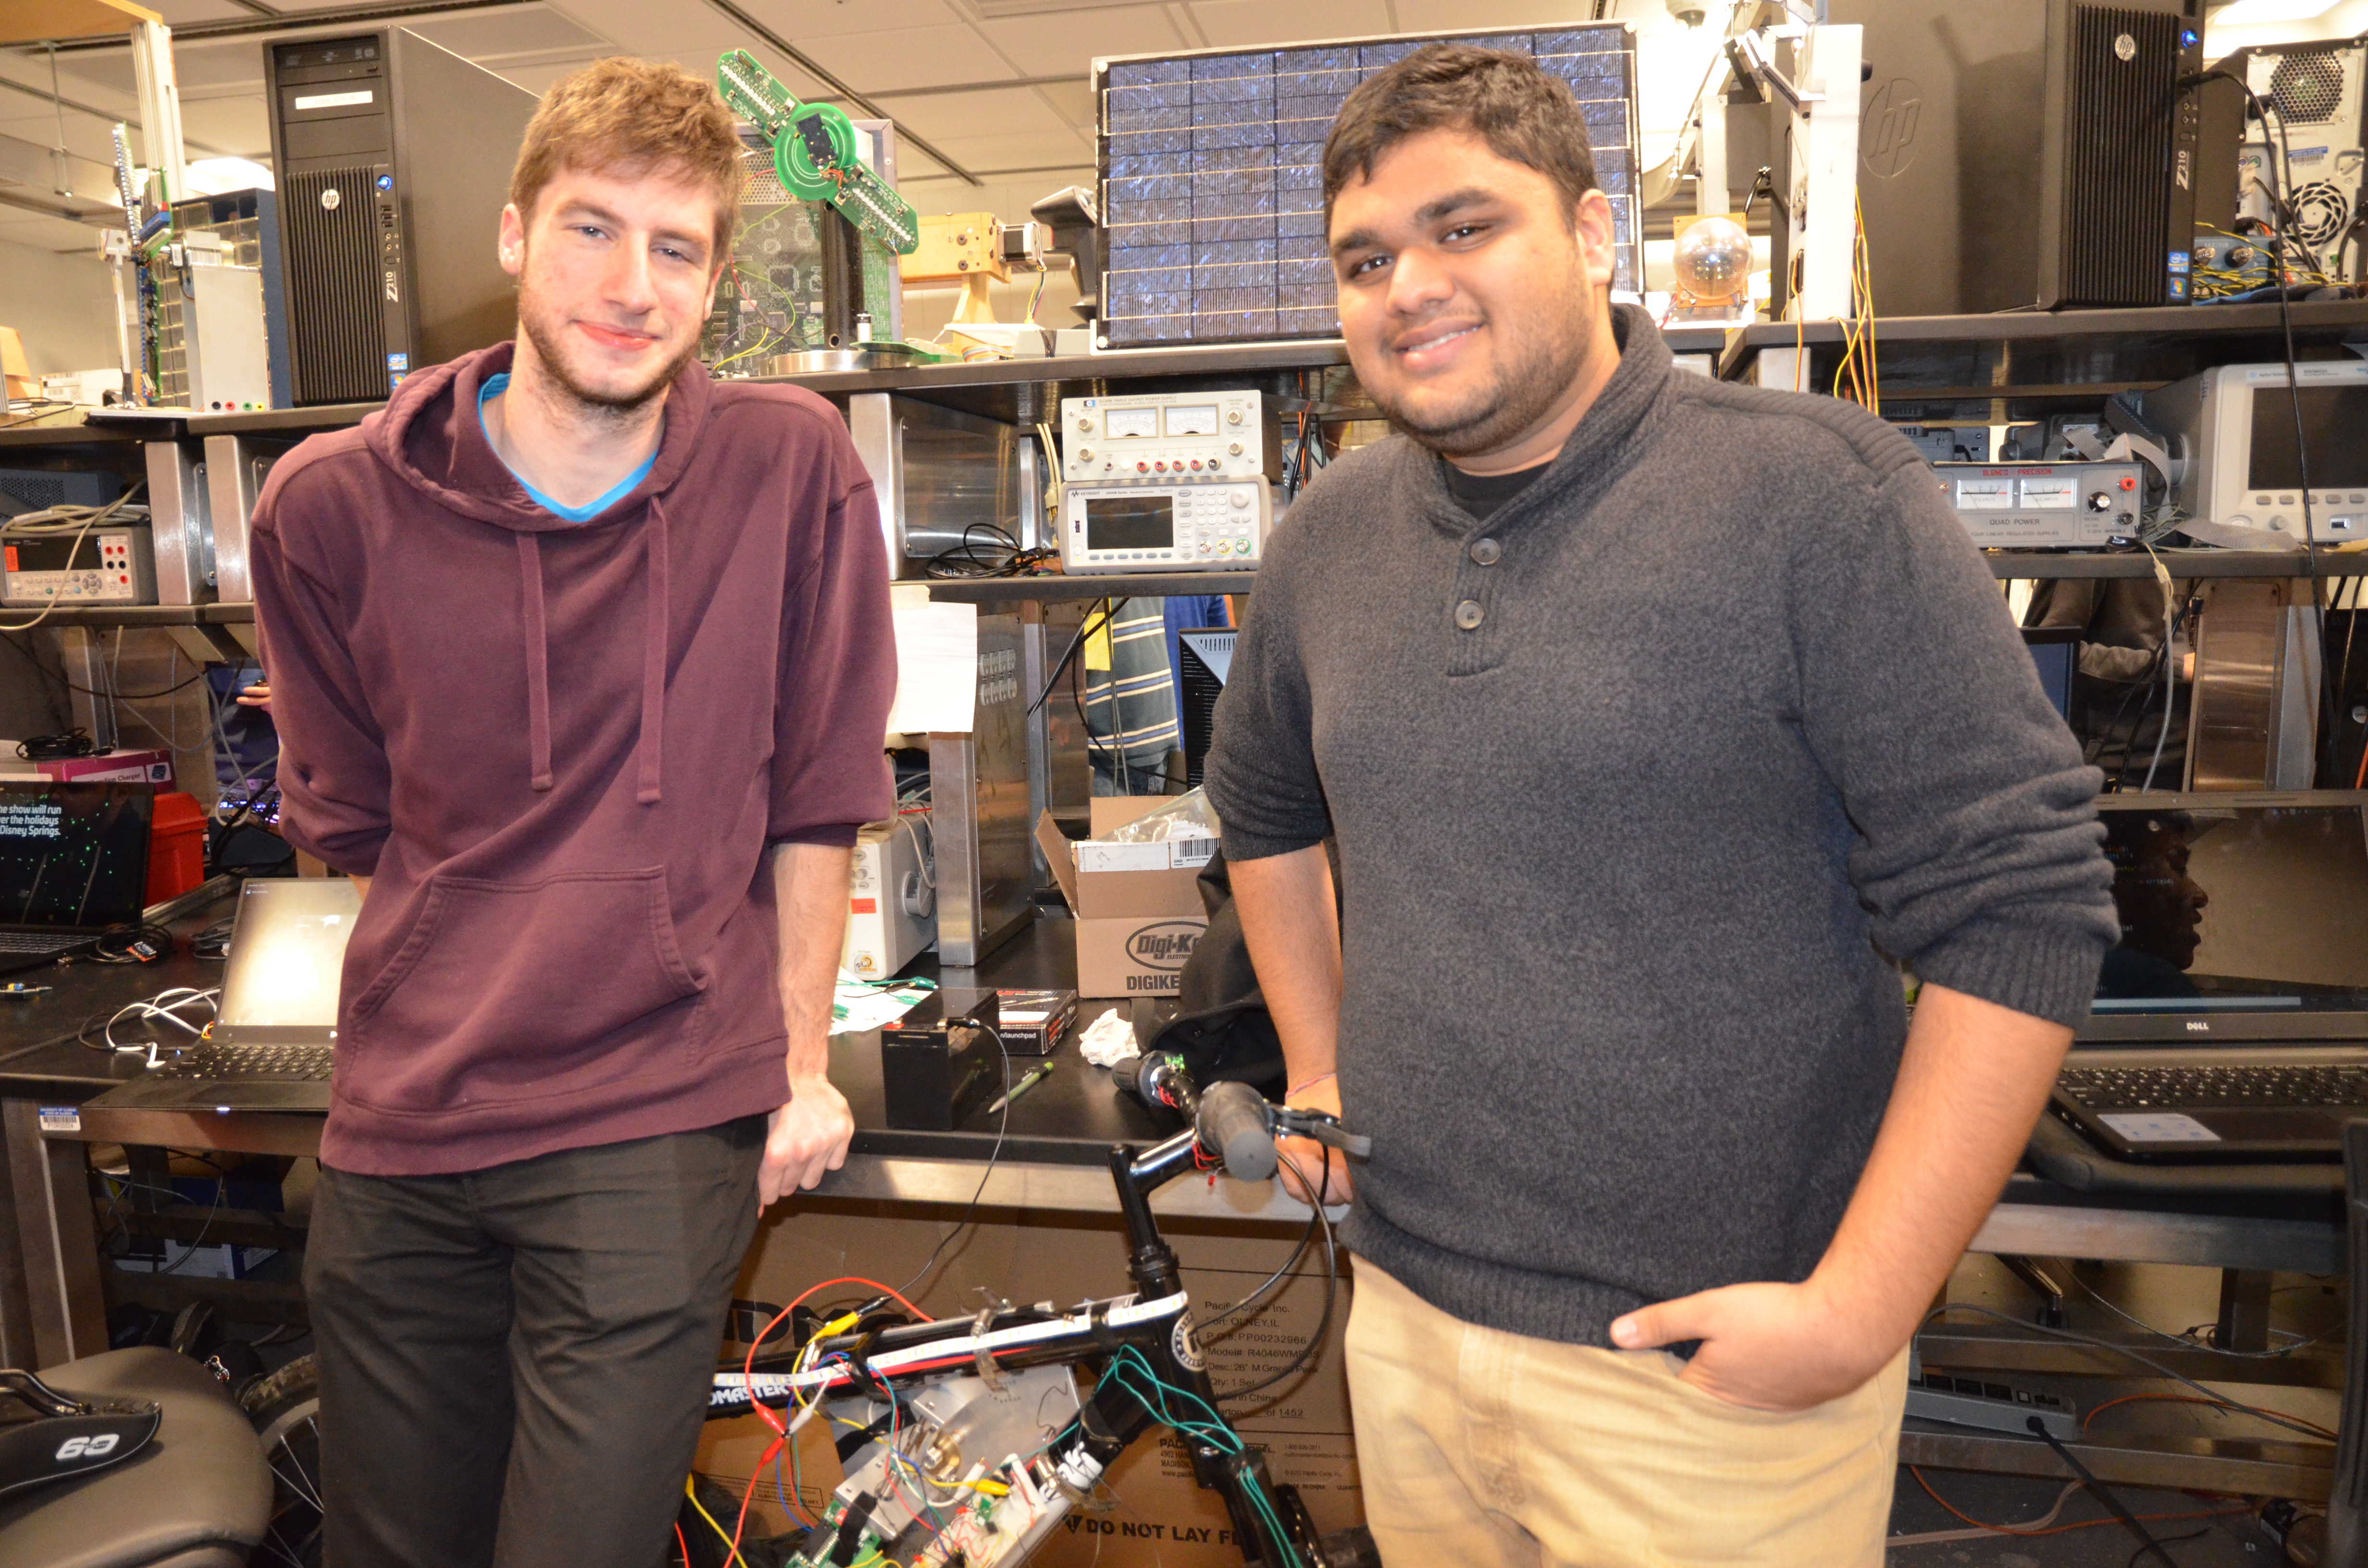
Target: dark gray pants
(515, 1363)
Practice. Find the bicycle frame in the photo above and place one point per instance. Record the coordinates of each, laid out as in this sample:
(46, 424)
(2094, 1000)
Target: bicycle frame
(1155, 1322)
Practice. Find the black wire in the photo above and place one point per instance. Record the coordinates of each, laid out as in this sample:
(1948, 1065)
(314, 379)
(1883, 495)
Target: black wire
(1001, 1127)
(1085, 629)
(1306, 1239)
(1316, 1340)
(2167, 1540)
(2098, 1489)
(137, 696)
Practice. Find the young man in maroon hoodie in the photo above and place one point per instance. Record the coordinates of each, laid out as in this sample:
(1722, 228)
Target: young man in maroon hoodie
(581, 663)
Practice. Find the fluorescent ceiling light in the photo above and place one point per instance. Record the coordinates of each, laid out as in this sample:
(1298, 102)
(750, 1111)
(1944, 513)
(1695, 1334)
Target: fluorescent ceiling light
(2245, 13)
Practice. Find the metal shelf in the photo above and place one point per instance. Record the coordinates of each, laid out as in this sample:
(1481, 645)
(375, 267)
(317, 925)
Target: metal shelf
(1117, 586)
(137, 615)
(2044, 563)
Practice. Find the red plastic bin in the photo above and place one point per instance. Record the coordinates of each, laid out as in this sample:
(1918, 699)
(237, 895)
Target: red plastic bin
(177, 846)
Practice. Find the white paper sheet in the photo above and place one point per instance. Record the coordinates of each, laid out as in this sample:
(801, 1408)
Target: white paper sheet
(937, 665)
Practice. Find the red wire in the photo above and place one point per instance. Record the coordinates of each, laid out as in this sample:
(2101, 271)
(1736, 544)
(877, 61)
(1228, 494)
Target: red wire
(748, 1366)
(682, 1543)
(749, 1373)
(2060, 1529)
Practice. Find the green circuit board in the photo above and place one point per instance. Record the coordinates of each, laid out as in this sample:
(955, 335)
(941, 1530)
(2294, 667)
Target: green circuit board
(814, 153)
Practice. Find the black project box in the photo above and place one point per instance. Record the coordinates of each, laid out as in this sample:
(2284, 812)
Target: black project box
(938, 1064)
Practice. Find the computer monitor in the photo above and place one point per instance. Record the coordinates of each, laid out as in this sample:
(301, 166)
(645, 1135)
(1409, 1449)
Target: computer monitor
(2056, 651)
(73, 855)
(2239, 921)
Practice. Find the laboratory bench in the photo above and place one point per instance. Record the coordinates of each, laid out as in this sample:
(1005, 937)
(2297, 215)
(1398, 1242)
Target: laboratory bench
(55, 1291)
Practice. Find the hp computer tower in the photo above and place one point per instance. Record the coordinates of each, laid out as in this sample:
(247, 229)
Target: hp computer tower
(2027, 153)
(394, 158)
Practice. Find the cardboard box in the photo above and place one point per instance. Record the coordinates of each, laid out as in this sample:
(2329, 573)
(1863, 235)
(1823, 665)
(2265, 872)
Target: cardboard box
(1066, 1258)
(1138, 906)
(150, 765)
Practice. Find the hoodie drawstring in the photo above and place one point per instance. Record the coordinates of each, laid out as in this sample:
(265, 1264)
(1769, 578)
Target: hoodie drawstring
(538, 664)
(653, 658)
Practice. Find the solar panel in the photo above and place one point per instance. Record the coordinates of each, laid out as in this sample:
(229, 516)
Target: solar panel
(1213, 184)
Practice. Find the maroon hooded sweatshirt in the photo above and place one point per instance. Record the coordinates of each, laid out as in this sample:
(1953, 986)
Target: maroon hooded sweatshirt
(561, 750)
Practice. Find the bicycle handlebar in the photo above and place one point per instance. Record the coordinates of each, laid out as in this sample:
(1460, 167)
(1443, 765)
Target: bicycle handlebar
(1237, 1125)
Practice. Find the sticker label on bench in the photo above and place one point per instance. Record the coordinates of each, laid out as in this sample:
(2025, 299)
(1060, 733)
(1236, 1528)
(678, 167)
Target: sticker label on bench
(2159, 1127)
(61, 1119)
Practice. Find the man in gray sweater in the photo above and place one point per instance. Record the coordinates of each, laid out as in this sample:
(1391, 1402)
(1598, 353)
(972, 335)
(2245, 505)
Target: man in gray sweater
(1657, 720)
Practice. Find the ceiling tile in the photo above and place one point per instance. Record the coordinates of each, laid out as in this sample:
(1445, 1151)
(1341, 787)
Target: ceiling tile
(182, 13)
(1443, 17)
(1074, 101)
(977, 154)
(799, 20)
(917, 57)
(1068, 44)
(1233, 24)
(477, 34)
(1015, 111)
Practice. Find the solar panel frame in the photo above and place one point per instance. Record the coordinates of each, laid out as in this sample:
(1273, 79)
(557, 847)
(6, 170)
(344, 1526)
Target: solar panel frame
(1211, 178)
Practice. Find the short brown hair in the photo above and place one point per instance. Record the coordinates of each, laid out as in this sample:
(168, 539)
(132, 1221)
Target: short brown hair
(630, 117)
(1524, 115)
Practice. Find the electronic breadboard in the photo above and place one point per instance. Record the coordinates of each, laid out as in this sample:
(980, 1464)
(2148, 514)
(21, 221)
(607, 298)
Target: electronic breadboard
(1189, 524)
(1153, 438)
(2045, 505)
(103, 566)
(814, 153)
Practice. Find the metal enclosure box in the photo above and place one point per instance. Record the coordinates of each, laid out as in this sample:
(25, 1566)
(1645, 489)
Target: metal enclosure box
(2010, 156)
(223, 316)
(393, 157)
(236, 466)
(939, 473)
(180, 523)
(979, 798)
(115, 564)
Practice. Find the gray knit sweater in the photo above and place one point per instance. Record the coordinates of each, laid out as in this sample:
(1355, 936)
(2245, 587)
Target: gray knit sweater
(1632, 806)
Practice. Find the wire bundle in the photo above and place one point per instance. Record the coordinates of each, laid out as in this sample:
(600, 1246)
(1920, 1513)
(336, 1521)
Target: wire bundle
(1857, 372)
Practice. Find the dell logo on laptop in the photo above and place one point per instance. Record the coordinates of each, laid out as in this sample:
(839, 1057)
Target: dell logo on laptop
(2197, 1025)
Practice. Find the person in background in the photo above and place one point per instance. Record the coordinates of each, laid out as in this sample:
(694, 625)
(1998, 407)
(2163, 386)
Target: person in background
(1657, 720)
(581, 664)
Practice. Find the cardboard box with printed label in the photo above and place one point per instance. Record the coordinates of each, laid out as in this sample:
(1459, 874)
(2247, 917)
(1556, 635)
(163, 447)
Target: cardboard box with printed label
(1138, 905)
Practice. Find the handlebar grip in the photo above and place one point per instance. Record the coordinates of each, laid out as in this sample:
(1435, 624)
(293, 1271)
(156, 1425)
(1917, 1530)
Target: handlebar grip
(1235, 1124)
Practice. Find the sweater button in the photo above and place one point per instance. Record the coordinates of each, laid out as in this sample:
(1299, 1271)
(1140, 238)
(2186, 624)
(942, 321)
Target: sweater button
(1468, 615)
(1487, 550)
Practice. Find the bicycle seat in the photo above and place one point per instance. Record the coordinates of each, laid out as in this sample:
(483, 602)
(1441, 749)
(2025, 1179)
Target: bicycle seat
(198, 1496)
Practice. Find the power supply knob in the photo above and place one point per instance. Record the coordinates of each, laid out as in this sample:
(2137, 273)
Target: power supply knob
(1085, 427)
(2100, 501)
(1233, 416)
(1085, 454)
(1236, 449)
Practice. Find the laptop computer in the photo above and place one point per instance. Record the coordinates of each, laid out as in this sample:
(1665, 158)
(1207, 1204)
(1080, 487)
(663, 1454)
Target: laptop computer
(2231, 1020)
(269, 1048)
(74, 862)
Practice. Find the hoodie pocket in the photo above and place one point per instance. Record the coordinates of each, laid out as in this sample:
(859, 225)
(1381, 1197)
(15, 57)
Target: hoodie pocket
(521, 990)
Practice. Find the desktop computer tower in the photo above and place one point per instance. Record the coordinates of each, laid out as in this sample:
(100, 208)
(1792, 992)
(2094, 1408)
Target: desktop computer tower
(393, 157)
(2027, 154)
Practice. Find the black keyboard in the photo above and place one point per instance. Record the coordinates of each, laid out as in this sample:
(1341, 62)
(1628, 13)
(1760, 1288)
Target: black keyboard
(281, 1062)
(2213, 1087)
(40, 941)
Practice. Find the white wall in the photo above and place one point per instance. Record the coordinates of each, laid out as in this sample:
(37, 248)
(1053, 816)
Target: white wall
(2346, 21)
(59, 304)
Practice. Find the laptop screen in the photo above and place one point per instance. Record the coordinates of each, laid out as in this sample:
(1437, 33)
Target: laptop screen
(287, 958)
(2237, 909)
(73, 854)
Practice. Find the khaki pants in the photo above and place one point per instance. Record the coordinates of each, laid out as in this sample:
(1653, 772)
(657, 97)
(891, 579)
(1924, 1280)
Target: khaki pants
(1480, 1449)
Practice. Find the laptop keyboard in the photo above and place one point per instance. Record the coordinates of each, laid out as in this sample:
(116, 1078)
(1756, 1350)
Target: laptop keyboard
(295, 1062)
(40, 941)
(2213, 1087)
